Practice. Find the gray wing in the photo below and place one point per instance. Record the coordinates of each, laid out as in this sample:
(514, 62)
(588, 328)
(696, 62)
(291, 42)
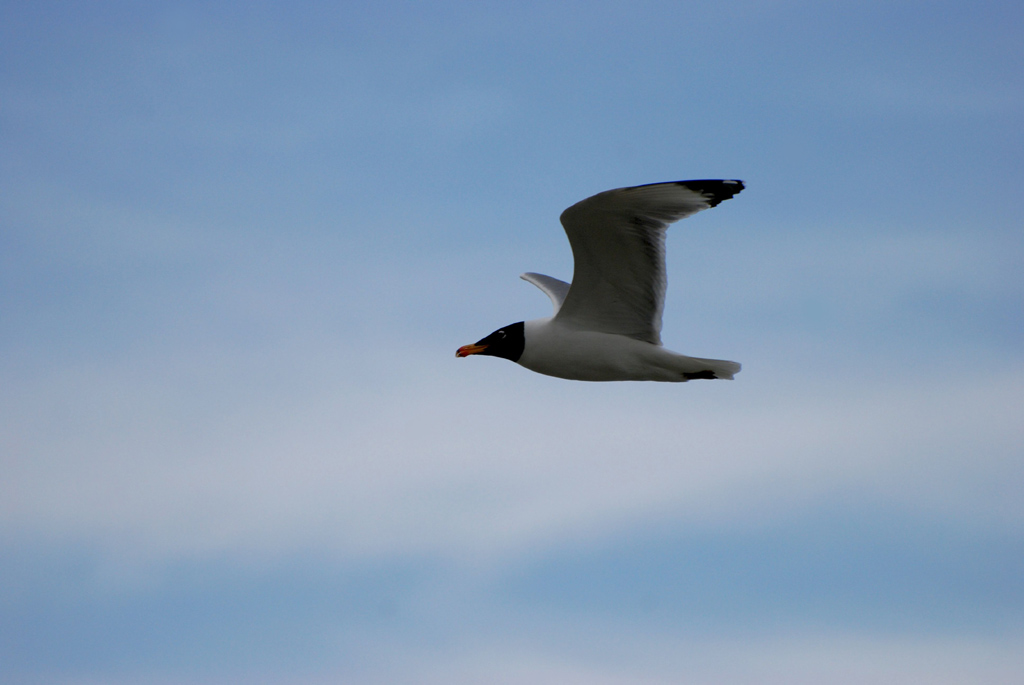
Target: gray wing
(552, 287)
(618, 246)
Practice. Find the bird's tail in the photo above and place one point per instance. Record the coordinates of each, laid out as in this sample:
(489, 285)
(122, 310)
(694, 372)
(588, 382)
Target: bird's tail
(693, 368)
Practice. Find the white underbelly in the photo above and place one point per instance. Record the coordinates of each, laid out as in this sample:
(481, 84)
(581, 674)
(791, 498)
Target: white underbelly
(560, 351)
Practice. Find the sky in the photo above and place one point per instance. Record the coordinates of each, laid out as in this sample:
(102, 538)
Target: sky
(240, 243)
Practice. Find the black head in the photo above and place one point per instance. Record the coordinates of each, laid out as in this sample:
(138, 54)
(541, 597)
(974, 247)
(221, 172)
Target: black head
(507, 342)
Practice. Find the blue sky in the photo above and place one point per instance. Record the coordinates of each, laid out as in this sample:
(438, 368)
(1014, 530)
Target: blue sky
(240, 243)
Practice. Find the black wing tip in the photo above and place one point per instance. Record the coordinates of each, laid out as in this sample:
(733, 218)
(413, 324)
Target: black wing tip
(715, 190)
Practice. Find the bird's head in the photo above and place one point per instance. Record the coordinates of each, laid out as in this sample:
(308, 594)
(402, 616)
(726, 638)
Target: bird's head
(506, 342)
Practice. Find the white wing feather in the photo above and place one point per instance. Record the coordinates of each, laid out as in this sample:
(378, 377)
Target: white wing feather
(555, 289)
(618, 246)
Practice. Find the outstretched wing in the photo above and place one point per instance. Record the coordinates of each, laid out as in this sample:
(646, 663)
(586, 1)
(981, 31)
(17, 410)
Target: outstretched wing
(618, 246)
(552, 287)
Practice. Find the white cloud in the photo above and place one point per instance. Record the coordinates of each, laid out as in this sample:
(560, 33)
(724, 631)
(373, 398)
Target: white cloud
(545, 659)
(201, 454)
(787, 659)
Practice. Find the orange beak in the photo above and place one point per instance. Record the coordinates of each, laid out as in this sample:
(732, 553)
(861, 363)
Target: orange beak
(467, 350)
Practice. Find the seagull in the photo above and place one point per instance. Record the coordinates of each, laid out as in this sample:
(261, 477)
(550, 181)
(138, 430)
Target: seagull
(606, 325)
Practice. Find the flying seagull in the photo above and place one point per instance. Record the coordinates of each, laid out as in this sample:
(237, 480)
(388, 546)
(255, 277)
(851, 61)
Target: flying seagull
(607, 325)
